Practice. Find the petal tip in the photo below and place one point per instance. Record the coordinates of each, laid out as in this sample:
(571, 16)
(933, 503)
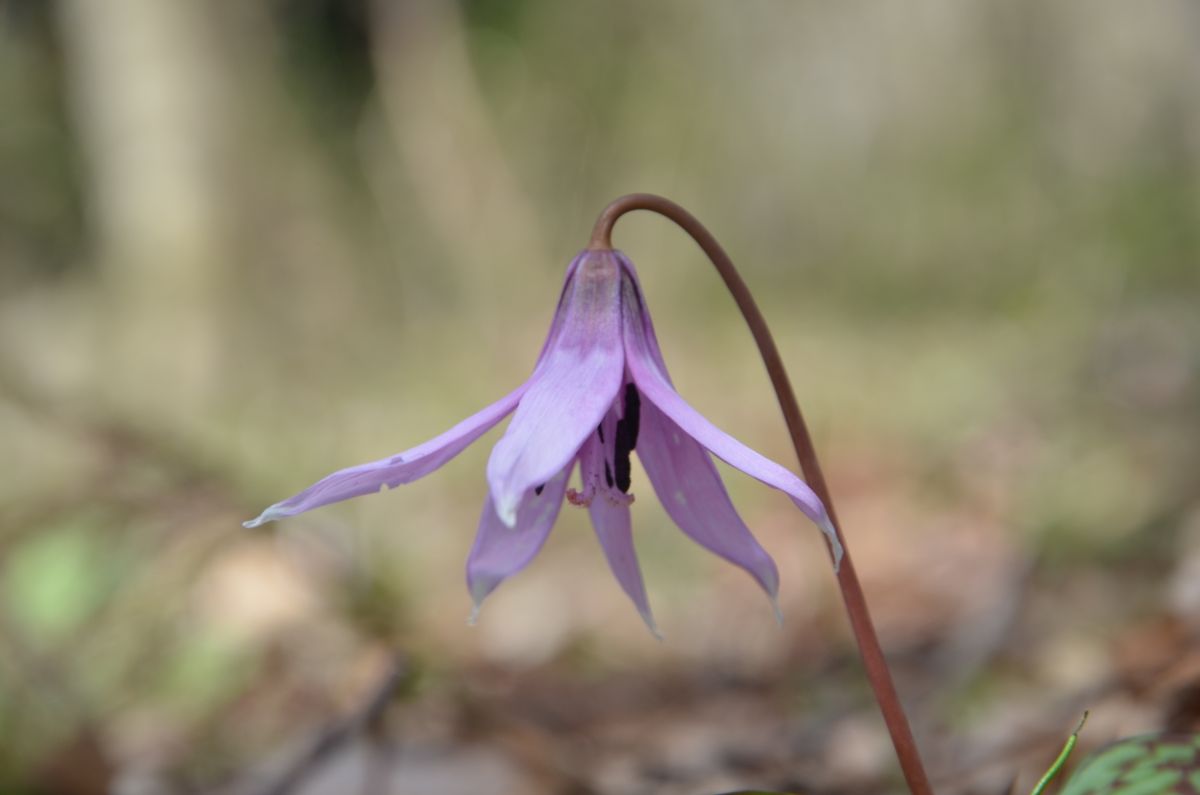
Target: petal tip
(653, 627)
(268, 515)
(480, 588)
(835, 542)
(777, 609)
(506, 509)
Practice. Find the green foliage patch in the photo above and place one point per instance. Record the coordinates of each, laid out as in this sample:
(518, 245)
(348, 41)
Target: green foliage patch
(1150, 764)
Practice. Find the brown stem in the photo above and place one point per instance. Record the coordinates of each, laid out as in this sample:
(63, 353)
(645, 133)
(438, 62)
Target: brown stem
(852, 594)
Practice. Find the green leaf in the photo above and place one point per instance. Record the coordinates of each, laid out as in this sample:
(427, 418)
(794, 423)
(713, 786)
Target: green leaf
(53, 581)
(1152, 764)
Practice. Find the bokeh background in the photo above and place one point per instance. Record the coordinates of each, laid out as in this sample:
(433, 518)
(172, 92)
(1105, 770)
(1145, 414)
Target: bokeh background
(246, 242)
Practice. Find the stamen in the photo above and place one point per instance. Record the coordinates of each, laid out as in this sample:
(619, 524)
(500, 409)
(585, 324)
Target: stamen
(633, 412)
(538, 489)
(627, 433)
(624, 476)
(608, 476)
(600, 432)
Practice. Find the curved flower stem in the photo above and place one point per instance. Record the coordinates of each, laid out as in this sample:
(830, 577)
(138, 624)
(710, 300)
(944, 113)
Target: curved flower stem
(856, 604)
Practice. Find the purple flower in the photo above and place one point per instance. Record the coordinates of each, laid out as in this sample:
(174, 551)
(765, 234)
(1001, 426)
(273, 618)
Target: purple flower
(599, 391)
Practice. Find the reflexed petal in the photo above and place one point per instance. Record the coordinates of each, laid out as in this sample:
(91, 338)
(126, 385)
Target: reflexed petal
(611, 521)
(569, 393)
(391, 472)
(693, 495)
(645, 365)
(609, 510)
(499, 551)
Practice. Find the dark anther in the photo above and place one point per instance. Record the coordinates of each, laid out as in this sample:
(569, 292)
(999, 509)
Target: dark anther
(627, 433)
(600, 433)
(623, 474)
(608, 475)
(538, 490)
(633, 413)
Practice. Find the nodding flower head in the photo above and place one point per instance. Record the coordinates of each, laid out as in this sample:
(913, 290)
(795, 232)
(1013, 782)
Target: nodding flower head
(599, 393)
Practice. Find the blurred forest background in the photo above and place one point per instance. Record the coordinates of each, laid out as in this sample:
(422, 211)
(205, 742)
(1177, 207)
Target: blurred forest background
(246, 242)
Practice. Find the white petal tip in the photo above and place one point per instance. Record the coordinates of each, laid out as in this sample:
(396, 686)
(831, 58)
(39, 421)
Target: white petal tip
(650, 625)
(479, 587)
(507, 513)
(835, 542)
(261, 519)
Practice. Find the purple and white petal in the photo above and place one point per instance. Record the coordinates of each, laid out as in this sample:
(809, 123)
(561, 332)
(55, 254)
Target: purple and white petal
(652, 382)
(691, 491)
(571, 390)
(500, 551)
(392, 471)
(609, 511)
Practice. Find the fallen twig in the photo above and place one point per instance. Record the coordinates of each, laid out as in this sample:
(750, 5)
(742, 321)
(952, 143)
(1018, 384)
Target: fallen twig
(365, 718)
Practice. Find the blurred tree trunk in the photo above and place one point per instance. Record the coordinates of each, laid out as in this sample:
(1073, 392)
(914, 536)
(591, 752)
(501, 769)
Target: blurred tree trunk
(144, 79)
(437, 116)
